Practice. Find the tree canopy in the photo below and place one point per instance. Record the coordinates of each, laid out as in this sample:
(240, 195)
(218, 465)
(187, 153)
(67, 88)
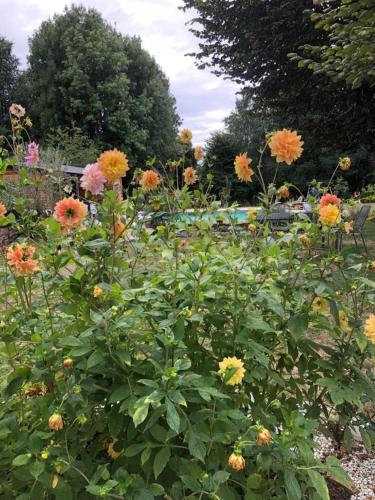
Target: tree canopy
(83, 73)
(8, 77)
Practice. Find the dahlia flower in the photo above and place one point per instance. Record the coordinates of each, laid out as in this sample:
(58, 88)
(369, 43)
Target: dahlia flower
(369, 328)
(113, 164)
(3, 210)
(92, 179)
(198, 153)
(186, 136)
(329, 199)
(229, 363)
(286, 146)
(32, 156)
(150, 180)
(345, 163)
(70, 212)
(55, 422)
(264, 437)
(329, 215)
(17, 110)
(236, 462)
(20, 259)
(190, 176)
(283, 192)
(241, 166)
(321, 306)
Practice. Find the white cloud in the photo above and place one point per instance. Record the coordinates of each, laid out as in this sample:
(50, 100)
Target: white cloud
(203, 100)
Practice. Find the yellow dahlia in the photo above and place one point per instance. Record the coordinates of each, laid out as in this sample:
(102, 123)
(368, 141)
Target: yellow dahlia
(111, 452)
(232, 363)
(329, 215)
(236, 462)
(186, 136)
(251, 213)
(348, 227)
(113, 164)
(286, 146)
(369, 328)
(241, 166)
(321, 306)
(252, 228)
(68, 363)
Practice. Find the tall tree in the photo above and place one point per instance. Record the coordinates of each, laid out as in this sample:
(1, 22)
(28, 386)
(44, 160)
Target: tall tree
(83, 73)
(250, 43)
(8, 78)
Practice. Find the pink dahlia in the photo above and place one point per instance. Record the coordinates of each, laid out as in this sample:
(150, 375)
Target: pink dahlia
(92, 179)
(32, 156)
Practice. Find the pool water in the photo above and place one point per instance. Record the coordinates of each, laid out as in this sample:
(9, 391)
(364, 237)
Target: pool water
(236, 216)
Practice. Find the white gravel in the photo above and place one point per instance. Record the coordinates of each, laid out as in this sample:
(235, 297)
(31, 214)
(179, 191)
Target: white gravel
(359, 465)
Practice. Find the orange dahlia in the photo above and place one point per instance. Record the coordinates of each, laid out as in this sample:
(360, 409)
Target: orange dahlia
(150, 180)
(329, 215)
(283, 192)
(198, 153)
(70, 212)
(190, 176)
(286, 146)
(113, 164)
(329, 199)
(186, 136)
(236, 461)
(241, 166)
(264, 437)
(20, 259)
(3, 210)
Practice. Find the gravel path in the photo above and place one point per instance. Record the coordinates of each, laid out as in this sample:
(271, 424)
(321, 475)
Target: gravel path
(359, 465)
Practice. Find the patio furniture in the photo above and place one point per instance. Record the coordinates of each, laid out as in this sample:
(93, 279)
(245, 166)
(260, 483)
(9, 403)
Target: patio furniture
(278, 220)
(358, 225)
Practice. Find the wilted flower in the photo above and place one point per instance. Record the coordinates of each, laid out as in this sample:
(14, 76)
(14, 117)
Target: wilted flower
(348, 227)
(236, 461)
(92, 179)
(28, 122)
(20, 259)
(241, 166)
(329, 215)
(252, 228)
(190, 176)
(343, 320)
(118, 229)
(17, 110)
(321, 306)
(305, 240)
(97, 291)
(264, 437)
(150, 180)
(55, 422)
(232, 363)
(329, 199)
(186, 136)
(286, 146)
(345, 163)
(32, 156)
(283, 192)
(70, 212)
(68, 189)
(113, 164)
(371, 266)
(55, 481)
(198, 153)
(111, 452)
(369, 328)
(3, 210)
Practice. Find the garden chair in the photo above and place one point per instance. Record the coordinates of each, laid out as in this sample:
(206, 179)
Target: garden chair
(358, 225)
(278, 220)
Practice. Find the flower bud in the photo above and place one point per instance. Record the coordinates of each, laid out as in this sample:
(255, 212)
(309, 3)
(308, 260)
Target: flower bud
(68, 363)
(236, 461)
(305, 240)
(55, 422)
(44, 455)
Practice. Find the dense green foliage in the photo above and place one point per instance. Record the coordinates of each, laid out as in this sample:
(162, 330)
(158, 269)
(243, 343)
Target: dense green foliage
(8, 78)
(252, 47)
(350, 53)
(83, 73)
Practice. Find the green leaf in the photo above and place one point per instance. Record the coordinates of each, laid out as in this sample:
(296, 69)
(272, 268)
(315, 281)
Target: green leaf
(21, 459)
(161, 460)
(173, 419)
(95, 359)
(13, 386)
(196, 446)
(134, 449)
(140, 414)
(319, 483)
(293, 489)
(298, 325)
(36, 469)
(116, 422)
(366, 440)
(254, 481)
(119, 394)
(70, 341)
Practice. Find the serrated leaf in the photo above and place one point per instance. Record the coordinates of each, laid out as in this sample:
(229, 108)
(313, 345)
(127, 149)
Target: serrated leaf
(196, 446)
(293, 489)
(319, 483)
(96, 358)
(173, 420)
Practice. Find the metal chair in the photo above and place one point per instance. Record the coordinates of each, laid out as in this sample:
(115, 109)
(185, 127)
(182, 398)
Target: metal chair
(358, 225)
(278, 220)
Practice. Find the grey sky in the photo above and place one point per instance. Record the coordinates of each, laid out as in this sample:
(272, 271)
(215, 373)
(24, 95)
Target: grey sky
(203, 100)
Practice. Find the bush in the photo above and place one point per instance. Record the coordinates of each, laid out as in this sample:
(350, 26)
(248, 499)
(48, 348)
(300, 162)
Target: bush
(177, 362)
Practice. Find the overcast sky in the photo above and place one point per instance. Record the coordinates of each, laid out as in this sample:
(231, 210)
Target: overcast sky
(203, 100)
